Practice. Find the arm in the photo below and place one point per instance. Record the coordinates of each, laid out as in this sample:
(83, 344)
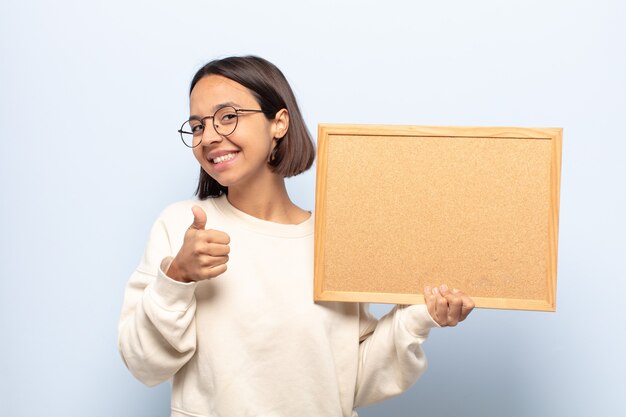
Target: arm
(391, 358)
(157, 333)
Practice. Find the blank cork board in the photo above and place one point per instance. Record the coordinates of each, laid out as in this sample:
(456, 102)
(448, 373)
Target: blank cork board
(401, 207)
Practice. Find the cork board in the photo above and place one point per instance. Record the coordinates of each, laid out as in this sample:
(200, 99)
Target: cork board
(401, 207)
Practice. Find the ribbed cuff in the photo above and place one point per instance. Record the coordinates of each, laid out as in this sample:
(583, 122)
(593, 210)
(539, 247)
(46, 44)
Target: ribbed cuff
(417, 320)
(171, 294)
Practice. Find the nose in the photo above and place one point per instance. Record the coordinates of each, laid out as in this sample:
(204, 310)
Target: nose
(210, 135)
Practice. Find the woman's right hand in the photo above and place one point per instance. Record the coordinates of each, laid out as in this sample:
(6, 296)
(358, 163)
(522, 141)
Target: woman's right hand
(204, 253)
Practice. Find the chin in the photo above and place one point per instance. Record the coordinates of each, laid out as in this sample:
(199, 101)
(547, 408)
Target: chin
(224, 181)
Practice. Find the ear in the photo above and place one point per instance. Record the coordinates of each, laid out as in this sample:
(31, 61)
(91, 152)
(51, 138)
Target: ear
(280, 124)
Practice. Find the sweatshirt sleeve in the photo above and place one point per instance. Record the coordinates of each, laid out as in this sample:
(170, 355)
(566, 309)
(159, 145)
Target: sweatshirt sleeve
(156, 332)
(391, 358)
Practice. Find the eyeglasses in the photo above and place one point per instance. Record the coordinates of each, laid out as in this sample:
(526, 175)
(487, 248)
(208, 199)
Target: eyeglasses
(224, 122)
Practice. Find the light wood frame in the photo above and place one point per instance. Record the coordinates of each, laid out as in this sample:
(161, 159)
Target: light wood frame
(401, 207)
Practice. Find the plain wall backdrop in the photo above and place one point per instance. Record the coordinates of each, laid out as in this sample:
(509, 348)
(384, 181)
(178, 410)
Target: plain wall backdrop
(91, 96)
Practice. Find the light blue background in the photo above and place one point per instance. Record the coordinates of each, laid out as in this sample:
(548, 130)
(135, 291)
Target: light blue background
(91, 95)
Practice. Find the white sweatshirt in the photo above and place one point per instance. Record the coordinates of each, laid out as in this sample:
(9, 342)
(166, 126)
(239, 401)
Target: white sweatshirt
(252, 342)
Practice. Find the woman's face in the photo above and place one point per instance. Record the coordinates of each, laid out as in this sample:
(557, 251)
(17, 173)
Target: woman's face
(241, 157)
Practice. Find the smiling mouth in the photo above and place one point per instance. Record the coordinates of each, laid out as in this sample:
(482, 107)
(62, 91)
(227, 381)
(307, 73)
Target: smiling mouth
(223, 158)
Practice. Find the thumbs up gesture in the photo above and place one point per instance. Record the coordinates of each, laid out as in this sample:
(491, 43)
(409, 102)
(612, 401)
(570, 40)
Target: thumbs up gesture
(204, 253)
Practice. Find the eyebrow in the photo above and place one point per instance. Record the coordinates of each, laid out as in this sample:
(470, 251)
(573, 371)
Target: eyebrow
(216, 108)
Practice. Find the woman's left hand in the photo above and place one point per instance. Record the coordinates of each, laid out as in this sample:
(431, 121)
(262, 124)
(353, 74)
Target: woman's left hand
(447, 307)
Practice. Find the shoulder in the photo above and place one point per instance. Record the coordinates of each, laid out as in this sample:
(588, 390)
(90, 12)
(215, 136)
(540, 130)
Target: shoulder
(178, 208)
(179, 215)
(166, 232)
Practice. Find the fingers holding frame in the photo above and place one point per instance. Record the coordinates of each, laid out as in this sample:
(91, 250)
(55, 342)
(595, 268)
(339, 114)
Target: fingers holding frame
(455, 305)
(468, 305)
(447, 307)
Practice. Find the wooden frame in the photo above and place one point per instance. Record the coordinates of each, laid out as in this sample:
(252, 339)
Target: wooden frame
(401, 207)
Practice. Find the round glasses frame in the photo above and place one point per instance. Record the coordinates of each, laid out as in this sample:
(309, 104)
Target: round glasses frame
(224, 121)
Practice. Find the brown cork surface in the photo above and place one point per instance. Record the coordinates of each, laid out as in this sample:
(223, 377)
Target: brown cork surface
(401, 212)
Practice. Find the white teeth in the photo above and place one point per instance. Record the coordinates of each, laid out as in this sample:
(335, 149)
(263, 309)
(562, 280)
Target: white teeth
(223, 158)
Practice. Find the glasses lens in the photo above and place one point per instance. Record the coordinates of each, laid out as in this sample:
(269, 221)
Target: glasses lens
(191, 133)
(225, 120)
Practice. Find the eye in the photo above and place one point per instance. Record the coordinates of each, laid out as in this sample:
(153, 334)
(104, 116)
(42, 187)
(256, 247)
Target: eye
(228, 117)
(197, 128)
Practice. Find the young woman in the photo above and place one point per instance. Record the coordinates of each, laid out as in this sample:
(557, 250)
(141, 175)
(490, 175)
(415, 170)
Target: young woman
(222, 301)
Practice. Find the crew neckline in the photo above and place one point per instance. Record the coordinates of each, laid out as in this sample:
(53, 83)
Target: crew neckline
(266, 227)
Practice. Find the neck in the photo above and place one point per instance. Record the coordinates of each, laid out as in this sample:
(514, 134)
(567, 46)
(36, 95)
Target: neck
(268, 201)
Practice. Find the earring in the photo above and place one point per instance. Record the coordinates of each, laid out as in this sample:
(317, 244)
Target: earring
(272, 156)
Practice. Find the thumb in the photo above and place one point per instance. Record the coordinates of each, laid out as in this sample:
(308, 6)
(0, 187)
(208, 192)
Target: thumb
(199, 218)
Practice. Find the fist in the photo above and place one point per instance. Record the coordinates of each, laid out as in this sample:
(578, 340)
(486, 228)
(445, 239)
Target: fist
(447, 307)
(204, 253)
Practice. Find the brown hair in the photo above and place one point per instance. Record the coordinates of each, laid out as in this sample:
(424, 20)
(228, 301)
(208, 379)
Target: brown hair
(295, 152)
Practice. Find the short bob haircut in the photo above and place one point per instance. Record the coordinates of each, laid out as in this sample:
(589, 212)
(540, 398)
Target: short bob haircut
(295, 152)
